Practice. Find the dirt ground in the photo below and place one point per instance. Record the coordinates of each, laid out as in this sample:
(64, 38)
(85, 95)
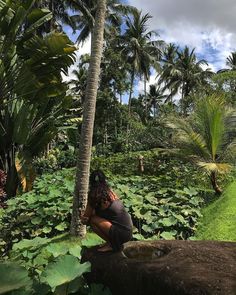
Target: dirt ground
(167, 267)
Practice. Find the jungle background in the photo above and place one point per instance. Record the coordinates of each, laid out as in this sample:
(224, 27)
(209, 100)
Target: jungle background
(168, 151)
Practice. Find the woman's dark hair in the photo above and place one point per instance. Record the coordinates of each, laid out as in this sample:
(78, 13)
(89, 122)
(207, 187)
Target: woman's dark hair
(97, 178)
(99, 189)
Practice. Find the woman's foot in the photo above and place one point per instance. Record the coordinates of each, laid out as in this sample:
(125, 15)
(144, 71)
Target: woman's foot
(105, 248)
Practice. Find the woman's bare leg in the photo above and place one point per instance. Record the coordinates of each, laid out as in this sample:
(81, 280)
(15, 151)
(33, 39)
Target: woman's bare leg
(101, 227)
(99, 233)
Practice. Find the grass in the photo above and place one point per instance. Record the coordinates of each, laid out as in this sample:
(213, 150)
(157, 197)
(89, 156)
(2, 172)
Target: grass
(219, 218)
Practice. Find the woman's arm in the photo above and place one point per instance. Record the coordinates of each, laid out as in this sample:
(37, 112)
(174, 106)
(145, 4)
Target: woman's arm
(85, 217)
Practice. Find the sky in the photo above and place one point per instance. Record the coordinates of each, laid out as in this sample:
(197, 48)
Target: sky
(209, 26)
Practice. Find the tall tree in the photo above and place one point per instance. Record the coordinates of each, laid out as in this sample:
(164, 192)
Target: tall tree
(84, 154)
(60, 14)
(156, 97)
(87, 10)
(231, 61)
(138, 48)
(184, 73)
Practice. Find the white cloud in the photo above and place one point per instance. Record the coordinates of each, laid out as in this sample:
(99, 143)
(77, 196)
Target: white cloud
(207, 25)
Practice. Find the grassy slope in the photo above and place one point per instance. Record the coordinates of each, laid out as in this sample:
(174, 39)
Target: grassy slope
(219, 218)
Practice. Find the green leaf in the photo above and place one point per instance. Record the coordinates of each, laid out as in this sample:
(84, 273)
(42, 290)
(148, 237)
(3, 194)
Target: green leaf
(46, 17)
(169, 221)
(168, 235)
(191, 191)
(13, 277)
(91, 240)
(25, 244)
(138, 237)
(64, 270)
(57, 249)
(76, 285)
(180, 218)
(47, 229)
(36, 220)
(61, 227)
(75, 251)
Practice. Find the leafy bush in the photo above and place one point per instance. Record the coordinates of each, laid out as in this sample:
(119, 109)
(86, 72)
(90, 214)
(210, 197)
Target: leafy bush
(163, 206)
(156, 162)
(45, 211)
(48, 266)
(55, 160)
(159, 210)
(2, 188)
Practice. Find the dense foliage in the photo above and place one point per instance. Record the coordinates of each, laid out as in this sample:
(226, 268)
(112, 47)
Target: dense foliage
(164, 205)
(48, 266)
(34, 100)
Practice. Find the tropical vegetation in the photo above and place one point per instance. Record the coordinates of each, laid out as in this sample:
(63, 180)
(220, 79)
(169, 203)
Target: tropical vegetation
(167, 147)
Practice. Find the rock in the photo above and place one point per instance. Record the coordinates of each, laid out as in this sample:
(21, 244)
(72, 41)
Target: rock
(166, 267)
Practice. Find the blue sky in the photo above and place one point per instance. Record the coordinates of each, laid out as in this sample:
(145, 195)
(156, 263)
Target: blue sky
(206, 25)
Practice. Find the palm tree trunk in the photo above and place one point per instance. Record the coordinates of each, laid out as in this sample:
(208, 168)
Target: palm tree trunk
(84, 154)
(131, 90)
(129, 106)
(154, 109)
(215, 186)
(145, 96)
(182, 100)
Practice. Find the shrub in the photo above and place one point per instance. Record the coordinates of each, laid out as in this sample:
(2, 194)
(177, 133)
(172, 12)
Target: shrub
(46, 266)
(2, 189)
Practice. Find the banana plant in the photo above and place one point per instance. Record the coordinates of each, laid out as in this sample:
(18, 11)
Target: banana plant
(33, 98)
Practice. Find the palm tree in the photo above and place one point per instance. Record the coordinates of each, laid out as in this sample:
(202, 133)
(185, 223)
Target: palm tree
(138, 48)
(156, 96)
(60, 14)
(231, 61)
(86, 14)
(168, 59)
(185, 73)
(83, 163)
(206, 137)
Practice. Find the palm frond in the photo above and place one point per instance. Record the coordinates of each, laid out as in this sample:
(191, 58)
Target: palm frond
(215, 167)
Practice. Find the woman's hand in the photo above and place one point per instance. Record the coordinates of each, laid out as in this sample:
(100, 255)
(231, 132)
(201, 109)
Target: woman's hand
(84, 219)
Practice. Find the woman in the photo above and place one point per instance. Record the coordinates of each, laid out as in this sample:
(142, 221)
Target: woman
(106, 214)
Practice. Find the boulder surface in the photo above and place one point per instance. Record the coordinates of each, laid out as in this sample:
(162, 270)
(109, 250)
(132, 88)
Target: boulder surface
(166, 267)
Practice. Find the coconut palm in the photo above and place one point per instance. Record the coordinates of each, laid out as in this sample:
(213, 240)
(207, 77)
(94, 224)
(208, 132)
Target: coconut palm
(231, 61)
(208, 137)
(156, 97)
(138, 48)
(86, 14)
(184, 73)
(168, 59)
(83, 163)
(60, 14)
